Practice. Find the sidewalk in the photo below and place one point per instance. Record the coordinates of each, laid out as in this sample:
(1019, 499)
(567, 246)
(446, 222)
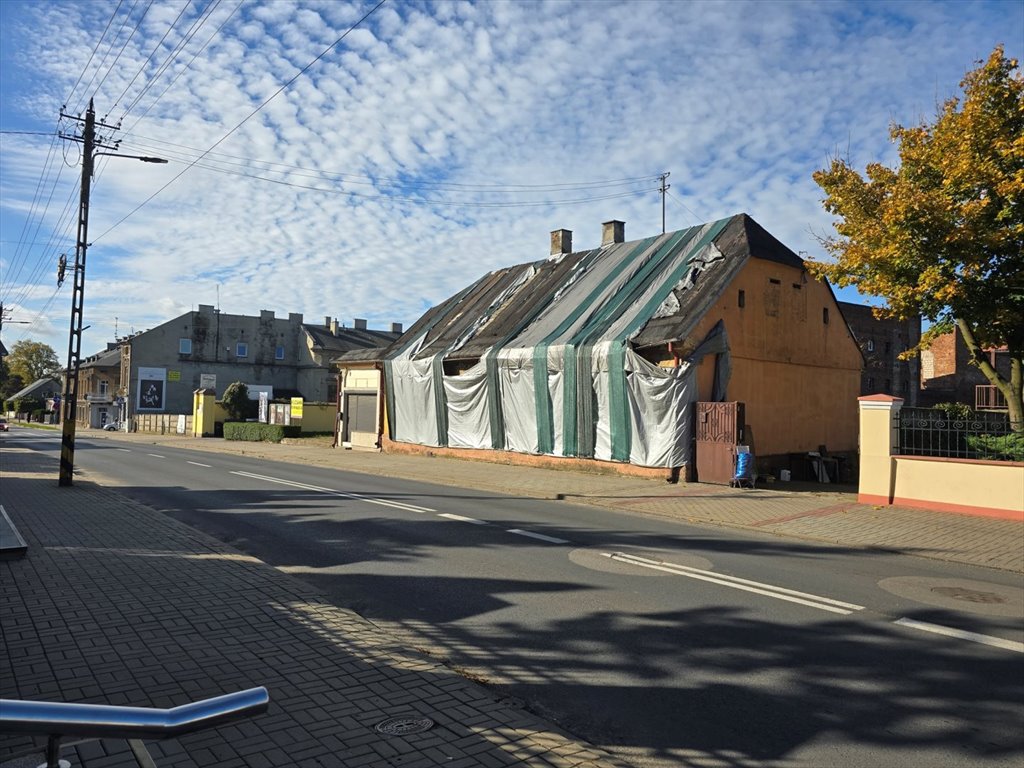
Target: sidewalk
(814, 512)
(118, 604)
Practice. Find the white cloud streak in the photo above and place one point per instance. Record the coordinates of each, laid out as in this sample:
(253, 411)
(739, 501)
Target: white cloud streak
(740, 101)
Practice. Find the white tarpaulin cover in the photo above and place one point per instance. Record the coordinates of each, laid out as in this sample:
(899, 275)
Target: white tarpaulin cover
(567, 382)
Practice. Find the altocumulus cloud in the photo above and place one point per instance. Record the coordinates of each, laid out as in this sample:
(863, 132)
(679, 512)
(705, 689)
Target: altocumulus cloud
(422, 151)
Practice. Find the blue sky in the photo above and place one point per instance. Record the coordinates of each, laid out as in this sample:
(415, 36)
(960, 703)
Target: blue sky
(436, 142)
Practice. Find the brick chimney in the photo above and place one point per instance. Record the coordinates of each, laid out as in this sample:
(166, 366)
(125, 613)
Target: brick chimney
(333, 325)
(561, 242)
(613, 231)
(396, 327)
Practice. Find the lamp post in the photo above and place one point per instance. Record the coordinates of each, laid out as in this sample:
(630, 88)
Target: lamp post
(69, 404)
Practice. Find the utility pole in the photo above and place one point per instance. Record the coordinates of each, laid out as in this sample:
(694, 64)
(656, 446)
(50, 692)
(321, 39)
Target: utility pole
(69, 405)
(663, 189)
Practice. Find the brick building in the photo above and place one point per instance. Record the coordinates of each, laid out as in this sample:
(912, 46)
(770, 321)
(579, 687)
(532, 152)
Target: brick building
(881, 341)
(948, 376)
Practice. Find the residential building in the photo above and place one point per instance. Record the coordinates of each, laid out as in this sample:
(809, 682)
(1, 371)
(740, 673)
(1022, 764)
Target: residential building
(160, 369)
(600, 354)
(947, 374)
(99, 379)
(882, 341)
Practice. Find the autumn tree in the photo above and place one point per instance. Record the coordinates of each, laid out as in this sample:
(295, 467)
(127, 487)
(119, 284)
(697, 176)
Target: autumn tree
(942, 235)
(32, 360)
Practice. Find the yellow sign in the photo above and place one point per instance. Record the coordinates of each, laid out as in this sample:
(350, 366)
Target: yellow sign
(174, 375)
(296, 407)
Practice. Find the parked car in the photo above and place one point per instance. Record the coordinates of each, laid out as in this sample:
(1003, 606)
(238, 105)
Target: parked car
(4, 426)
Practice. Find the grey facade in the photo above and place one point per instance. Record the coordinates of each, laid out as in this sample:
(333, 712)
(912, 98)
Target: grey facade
(161, 368)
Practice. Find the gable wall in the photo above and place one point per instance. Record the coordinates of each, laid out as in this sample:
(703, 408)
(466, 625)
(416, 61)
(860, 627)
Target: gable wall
(798, 376)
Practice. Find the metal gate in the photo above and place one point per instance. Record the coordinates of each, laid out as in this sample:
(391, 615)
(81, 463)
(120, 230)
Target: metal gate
(719, 431)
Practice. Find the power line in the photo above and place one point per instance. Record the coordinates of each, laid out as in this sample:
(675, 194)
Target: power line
(93, 54)
(244, 120)
(678, 200)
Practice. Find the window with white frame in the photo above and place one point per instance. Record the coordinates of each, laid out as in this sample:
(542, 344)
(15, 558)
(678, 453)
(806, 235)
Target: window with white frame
(279, 352)
(184, 346)
(241, 349)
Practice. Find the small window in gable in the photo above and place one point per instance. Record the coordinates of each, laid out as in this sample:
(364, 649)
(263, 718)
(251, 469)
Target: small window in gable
(184, 346)
(824, 315)
(279, 352)
(742, 300)
(871, 345)
(241, 349)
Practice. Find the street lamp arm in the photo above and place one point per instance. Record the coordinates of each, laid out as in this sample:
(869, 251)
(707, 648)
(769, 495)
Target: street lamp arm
(143, 158)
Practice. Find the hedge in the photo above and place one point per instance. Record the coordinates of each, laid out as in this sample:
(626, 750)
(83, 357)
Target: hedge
(255, 432)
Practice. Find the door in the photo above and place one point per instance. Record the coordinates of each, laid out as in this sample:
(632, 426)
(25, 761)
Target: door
(719, 431)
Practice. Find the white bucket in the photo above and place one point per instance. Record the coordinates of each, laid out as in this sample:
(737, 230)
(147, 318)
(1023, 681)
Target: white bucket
(784, 475)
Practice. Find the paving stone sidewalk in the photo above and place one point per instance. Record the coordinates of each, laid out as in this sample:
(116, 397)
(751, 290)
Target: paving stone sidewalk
(814, 512)
(116, 603)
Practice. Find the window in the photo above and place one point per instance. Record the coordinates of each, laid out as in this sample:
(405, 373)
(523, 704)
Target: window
(871, 382)
(279, 352)
(104, 386)
(241, 349)
(742, 299)
(871, 345)
(824, 315)
(184, 346)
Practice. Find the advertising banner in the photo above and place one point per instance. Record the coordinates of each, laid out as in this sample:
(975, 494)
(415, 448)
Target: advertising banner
(151, 389)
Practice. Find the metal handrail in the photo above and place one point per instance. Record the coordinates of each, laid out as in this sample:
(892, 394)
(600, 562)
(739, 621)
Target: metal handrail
(58, 720)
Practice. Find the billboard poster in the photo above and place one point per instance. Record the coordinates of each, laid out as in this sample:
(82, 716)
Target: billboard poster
(208, 381)
(264, 403)
(151, 389)
(296, 409)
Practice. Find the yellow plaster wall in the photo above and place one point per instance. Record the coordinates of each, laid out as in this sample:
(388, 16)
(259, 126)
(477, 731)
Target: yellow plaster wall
(798, 376)
(960, 484)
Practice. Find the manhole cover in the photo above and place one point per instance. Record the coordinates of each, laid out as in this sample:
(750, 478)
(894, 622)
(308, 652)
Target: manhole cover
(969, 595)
(402, 726)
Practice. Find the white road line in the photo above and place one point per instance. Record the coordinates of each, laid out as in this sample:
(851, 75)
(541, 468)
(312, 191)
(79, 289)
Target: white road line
(541, 536)
(462, 519)
(196, 463)
(769, 590)
(960, 634)
(156, 455)
(126, 450)
(342, 494)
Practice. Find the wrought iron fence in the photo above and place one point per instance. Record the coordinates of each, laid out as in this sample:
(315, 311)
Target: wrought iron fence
(974, 435)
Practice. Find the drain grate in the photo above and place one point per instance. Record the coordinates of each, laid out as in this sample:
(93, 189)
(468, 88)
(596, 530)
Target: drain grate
(403, 726)
(969, 595)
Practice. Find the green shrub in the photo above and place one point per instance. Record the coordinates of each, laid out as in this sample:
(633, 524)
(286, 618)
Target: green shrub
(255, 432)
(237, 403)
(956, 411)
(999, 447)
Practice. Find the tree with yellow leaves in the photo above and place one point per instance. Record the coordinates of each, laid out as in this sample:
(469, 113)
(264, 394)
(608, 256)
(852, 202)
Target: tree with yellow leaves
(942, 235)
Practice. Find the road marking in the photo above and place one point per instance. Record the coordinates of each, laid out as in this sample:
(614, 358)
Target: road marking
(960, 634)
(156, 455)
(342, 494)
(769, 590)
(541, 536)
(126, 450)
(462, 519)
(196, 463)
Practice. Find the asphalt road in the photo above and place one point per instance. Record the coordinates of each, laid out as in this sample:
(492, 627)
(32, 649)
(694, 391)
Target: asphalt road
(666, 643)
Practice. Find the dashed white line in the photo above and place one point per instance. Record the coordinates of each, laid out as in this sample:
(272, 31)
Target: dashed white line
(342, 494)
(734, 582)
(960, 634)
(541, 536)
(196, 463)
(462, 519)
(156, 455)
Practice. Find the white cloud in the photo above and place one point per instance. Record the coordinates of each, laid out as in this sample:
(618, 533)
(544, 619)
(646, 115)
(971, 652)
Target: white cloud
(740, 101)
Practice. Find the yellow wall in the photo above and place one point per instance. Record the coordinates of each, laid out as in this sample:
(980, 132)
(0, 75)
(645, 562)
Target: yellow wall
(318, 417)
(965, 485)
(366, 380)
(798, 376)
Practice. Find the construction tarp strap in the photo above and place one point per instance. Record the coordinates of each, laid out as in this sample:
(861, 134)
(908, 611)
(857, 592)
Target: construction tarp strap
(567, 382)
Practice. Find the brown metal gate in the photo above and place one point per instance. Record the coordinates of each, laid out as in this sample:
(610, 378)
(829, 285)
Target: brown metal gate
(719, 431)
